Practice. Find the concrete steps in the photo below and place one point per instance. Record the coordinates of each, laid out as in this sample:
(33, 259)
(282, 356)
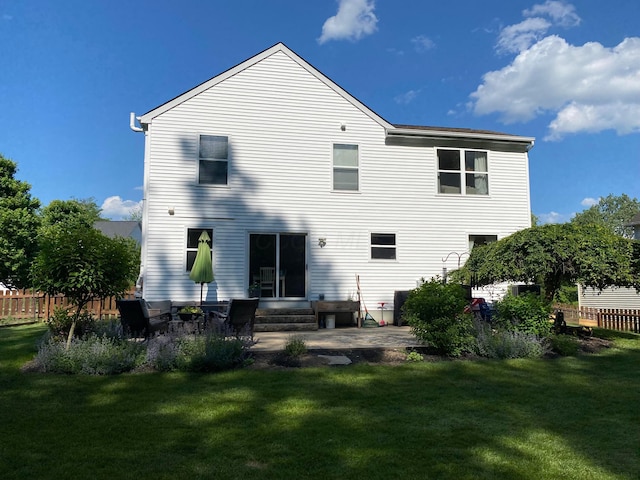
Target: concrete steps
(285, 320)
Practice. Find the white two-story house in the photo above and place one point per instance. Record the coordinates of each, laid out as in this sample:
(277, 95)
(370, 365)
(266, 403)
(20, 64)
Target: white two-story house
(286, 171)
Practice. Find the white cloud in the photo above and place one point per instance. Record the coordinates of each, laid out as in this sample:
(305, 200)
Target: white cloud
(519, 37)
(354, 20)
(589, 88)
(116, 208)
(562, 13)
(422, 43)
(554, 217)
(589, 202)
(407, 97)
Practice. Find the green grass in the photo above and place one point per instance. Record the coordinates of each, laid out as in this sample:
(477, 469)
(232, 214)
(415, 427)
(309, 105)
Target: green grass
(569, 418)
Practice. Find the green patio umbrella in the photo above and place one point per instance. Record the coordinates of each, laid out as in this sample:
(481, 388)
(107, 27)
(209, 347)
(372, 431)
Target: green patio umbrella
(202, 270)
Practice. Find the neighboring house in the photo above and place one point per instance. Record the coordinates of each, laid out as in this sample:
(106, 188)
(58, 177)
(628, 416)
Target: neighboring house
(618, 297)
(286, 170)
(120, 228)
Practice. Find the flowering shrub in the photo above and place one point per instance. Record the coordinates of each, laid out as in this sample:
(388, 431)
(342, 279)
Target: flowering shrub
(508, 344)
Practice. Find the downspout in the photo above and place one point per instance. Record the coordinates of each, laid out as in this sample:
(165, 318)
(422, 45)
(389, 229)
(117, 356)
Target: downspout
(132, 123)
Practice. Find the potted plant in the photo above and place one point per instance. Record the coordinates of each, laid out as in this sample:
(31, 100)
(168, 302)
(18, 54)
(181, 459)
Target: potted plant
(254, 290)
(189, 313)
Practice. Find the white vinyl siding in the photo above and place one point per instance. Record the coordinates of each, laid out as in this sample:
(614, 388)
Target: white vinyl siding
(281, 122)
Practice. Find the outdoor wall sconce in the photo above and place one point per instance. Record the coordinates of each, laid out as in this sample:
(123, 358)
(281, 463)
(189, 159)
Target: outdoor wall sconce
(343, 126)
(172, 210)
(322, 242)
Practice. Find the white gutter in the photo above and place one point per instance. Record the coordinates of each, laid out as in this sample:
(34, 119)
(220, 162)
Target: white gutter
(132, 123)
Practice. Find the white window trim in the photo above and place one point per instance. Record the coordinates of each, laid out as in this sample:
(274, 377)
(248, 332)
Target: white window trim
(198, 160)
(394, 247)
(358, 168)
(462, 172)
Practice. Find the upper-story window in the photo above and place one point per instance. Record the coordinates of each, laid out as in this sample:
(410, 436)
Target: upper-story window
(345, 167)
(463, 171)
(213, 168)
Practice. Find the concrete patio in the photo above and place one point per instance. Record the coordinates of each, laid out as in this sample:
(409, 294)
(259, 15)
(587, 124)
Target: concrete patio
(339, 339)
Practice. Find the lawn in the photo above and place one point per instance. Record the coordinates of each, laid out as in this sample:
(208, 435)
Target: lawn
(569, 418)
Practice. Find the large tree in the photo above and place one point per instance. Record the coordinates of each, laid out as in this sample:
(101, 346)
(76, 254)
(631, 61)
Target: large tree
(19, 223)
(612, 212)
(85, 210)
(83, 264)
(554, 255)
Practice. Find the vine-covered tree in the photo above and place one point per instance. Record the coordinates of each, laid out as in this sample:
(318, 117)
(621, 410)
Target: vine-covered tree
(613, 212)
(83, 264)
(556, 254)
(19, 223)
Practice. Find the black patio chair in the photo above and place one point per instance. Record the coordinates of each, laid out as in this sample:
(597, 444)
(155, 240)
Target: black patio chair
(240, 316)
(136, 320)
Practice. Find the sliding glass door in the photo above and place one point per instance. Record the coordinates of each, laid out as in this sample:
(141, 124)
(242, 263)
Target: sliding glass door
(278, 264)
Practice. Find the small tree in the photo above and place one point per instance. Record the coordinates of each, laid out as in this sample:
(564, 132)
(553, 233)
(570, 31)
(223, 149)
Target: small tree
(18, 226)
(83, 265)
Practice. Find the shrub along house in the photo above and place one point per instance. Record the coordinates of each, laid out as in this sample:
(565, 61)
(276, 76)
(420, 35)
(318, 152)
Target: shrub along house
(293, 177)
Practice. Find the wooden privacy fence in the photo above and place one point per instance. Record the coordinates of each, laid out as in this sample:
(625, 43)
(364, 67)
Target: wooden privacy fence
(30, 305)
(622, 319)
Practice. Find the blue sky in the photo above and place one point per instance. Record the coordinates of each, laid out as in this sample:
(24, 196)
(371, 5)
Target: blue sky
(565, 73)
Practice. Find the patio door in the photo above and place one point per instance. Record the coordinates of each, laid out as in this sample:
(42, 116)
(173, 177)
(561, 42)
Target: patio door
(285, 256)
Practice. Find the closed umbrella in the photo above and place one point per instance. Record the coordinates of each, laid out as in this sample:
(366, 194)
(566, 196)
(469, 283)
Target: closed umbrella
(202, 270)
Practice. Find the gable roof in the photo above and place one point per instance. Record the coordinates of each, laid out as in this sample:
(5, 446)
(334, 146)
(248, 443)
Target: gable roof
(397, 131)
(635, 220)
(115, 228)
(278, 47)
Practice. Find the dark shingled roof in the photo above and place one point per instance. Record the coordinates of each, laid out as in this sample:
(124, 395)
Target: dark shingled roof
(453, 129)
(116, 228)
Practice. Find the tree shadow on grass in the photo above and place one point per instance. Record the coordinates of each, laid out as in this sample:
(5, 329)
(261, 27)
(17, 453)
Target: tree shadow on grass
(522, 419)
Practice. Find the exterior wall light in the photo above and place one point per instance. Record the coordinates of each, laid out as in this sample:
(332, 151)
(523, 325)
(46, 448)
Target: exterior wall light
(322, 242)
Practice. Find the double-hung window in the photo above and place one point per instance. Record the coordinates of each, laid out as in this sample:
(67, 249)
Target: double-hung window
(383, 246)
(345, 167)
(463, 172)
(213, 163)
(193, 234)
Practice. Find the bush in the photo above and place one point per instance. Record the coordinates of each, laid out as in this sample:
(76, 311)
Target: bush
(295, 346)
(414, 356)
(435, 312)
(60, 323)
(508, 344)
(565, 345)
(527, 313)
(92, 355)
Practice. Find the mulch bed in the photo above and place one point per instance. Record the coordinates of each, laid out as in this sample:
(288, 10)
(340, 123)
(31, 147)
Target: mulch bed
(380, 356)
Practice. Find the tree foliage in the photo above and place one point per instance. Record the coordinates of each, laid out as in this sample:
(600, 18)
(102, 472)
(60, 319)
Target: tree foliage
(556, 254)
(612, 212)
(83, 264)
(19, 223)
(85, 211)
